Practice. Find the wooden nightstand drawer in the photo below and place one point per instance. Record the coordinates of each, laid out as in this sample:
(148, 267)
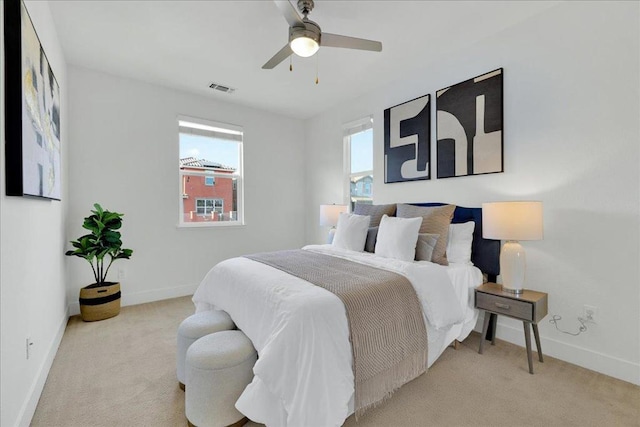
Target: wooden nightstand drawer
(510, 307)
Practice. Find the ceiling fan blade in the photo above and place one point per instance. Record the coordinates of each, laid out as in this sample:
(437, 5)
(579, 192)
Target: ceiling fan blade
(290, 13)
(283, 54)
(335, 40)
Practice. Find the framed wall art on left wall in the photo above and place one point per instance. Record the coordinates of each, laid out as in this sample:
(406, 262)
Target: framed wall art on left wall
(32, 110)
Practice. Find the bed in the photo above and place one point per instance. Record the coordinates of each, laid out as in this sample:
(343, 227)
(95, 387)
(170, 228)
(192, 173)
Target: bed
(304, 375)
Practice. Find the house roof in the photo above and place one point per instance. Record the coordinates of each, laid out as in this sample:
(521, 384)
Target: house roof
(364, 178)
(192, 162)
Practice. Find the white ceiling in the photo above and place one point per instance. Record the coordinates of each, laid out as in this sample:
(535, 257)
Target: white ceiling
(189, 44)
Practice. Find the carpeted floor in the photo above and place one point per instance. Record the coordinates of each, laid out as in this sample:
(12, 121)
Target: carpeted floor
(121, 372)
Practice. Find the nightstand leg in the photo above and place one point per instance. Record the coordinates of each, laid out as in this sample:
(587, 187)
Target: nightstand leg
(527, 340)
(537, 337)
(485, 326)
(495, 327)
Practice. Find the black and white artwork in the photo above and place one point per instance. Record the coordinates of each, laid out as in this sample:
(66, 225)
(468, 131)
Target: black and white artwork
(407, 129)
(469, 119)
(32, 110)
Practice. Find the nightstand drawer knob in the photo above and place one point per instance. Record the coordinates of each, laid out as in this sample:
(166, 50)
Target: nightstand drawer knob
(502, 306)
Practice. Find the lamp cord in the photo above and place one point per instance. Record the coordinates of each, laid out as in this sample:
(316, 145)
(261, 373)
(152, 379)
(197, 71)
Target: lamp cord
(583, 328)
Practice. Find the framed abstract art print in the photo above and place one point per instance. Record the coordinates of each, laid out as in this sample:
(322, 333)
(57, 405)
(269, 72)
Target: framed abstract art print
(32, 110)
(469, 127)
(407, 132)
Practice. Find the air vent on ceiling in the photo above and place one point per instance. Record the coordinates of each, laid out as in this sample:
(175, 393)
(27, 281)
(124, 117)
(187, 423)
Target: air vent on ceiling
(222, 88)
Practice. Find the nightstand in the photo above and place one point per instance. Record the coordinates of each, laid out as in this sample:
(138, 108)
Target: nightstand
(529, 306)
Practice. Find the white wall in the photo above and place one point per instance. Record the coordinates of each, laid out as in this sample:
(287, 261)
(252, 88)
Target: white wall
(32, 285)
(571, 125)
(124, 154)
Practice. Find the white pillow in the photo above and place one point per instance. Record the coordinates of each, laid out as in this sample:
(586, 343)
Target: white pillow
(397, 237)
(351, 231)
(459, 244)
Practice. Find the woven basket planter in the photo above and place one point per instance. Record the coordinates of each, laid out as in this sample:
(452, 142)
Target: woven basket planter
(100, 301)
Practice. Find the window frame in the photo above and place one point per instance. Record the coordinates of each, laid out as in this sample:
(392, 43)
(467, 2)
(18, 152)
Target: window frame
(348, 130)
(238, 175)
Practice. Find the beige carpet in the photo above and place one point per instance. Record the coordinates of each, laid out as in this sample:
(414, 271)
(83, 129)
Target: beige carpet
(121, 372)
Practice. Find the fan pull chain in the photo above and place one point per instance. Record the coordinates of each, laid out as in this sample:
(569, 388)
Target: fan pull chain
(290, 62)
(317, 60)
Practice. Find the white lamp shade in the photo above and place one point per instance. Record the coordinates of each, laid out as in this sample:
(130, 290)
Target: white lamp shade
(512, 220)
(329, 214)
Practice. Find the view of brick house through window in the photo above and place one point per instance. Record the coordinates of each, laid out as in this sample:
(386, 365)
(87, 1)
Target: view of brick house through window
(210, 173)
(358, 153)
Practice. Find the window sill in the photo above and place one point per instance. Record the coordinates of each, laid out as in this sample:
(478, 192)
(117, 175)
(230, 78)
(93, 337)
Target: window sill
(211, 224)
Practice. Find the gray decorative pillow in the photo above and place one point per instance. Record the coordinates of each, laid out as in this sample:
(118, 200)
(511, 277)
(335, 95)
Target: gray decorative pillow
(372, 236)
(425, 246)
(375, 212)
(435, 220)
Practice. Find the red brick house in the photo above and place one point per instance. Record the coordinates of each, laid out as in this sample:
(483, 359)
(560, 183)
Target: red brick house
(207, 197)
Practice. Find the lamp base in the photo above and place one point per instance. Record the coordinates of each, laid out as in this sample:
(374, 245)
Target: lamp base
(512, 267)
(512, 291)
(331, 235)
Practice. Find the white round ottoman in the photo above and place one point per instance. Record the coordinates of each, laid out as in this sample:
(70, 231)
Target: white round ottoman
(218, 368)
(194, 327)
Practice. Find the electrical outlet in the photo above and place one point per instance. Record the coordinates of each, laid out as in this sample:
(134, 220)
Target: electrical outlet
(29, 345)
(121, 274)
(590, 313)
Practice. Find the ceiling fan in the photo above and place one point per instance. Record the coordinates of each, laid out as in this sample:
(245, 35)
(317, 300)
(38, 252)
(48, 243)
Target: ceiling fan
(305, 36)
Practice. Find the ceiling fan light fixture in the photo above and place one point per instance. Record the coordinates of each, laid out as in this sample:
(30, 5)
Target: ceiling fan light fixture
(304, 46)
(306, 37)
(305, 41)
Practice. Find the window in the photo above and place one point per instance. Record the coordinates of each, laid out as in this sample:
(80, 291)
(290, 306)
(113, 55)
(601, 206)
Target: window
(210, 170)
(209, 207)
(358, 164)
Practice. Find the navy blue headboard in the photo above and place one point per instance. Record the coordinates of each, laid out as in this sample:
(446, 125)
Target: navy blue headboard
(485, 253)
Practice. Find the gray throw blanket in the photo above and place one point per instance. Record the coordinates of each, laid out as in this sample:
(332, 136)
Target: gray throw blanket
(387, 332)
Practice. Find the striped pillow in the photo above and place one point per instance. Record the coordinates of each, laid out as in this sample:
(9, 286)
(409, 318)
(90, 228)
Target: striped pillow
(435, 220)
(425, 246)
(375, 212)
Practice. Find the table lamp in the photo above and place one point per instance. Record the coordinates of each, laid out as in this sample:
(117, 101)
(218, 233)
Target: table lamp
(512, 222)
(329, 215)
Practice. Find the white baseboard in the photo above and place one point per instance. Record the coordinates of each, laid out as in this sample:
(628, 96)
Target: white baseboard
(145, 296)
(29, 408)
(605, 364)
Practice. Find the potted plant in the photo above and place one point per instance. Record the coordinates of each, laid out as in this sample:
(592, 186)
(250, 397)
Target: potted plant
(101, 299)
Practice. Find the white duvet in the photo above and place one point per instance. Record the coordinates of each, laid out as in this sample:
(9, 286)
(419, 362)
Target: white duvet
(303, 375)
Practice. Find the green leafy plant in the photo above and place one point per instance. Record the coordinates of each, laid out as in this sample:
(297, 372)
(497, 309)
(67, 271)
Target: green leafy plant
(103, 241)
